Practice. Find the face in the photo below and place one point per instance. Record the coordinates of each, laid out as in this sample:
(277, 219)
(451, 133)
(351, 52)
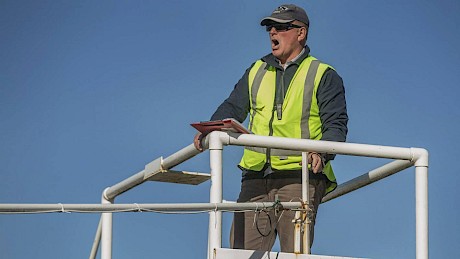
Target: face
(287, 44)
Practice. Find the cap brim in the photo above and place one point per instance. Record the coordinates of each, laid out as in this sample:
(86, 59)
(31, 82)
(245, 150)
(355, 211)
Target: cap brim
(267, 20)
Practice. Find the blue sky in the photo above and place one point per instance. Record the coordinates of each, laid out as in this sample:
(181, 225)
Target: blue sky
(91, 91)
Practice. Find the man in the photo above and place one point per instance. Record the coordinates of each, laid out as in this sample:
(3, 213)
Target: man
(287, 93)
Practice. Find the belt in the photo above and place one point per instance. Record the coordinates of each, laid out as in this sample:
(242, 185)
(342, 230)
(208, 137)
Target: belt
(278, 174)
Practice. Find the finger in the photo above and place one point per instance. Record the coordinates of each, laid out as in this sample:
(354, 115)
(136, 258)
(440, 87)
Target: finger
(317, 164)
(317, 167)
(197, 141)
(313, 166)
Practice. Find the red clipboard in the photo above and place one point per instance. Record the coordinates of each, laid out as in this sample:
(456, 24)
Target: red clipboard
(223, 125)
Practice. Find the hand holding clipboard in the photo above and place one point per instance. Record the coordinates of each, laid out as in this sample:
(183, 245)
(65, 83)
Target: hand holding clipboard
(205, 127)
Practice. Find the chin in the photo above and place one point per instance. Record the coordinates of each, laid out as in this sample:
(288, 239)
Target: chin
(276, 54)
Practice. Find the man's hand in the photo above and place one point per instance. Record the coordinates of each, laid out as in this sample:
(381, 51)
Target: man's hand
(316, 162)
(197, 141)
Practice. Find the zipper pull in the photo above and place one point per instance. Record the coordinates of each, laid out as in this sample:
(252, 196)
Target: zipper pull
(279, 111)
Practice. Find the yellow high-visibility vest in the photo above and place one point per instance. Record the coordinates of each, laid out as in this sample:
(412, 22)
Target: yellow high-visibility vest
(300, 115)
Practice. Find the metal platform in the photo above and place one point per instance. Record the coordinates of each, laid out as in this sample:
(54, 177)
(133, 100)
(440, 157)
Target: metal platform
(183, 177)
(154, 171)
(225, 253)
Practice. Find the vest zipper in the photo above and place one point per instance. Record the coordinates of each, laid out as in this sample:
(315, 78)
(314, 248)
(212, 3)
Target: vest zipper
(270, 133)
(278, 107)
(279, 97)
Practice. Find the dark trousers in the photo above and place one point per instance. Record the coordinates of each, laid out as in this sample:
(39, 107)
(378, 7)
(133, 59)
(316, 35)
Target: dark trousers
(258, 231)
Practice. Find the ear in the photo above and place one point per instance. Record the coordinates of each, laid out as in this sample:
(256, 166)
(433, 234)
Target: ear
(302, 34)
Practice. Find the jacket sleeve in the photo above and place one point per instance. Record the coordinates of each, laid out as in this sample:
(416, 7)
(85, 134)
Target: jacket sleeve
(237, 104)
(332, 108)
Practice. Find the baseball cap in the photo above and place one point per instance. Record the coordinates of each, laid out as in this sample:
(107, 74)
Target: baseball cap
(286, 13)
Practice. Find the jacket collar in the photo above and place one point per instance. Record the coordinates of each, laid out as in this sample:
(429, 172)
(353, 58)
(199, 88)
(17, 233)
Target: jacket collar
(272, 61)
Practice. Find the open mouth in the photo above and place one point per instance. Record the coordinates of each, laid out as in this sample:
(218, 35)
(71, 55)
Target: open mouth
(275, 43)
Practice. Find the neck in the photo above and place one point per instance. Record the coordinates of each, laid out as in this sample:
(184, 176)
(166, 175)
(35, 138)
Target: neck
(292, 58)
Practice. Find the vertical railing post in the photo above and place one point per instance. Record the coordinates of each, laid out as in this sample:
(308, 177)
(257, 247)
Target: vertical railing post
(420, 157)
(106, 238)
(421, 208)
(306, 200)
(215, 217)
(97, 240)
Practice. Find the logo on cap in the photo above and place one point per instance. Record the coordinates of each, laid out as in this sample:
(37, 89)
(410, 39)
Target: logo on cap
(280, 9)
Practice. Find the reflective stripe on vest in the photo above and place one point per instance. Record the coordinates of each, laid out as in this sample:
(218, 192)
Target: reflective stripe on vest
(300, 115)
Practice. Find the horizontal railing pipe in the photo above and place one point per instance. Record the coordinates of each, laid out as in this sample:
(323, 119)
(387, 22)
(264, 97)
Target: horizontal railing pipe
(320, 146)
(180, 156)
(124, 185)
(368, 178)
(163, 207)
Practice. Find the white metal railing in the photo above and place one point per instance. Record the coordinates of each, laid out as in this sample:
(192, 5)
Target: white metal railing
(215, 141)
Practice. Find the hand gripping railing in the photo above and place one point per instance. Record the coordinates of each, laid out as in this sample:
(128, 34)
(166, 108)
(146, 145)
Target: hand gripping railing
(404, 158)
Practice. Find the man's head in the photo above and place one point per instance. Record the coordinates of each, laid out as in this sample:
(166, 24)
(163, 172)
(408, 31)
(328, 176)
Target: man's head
(288, 30)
